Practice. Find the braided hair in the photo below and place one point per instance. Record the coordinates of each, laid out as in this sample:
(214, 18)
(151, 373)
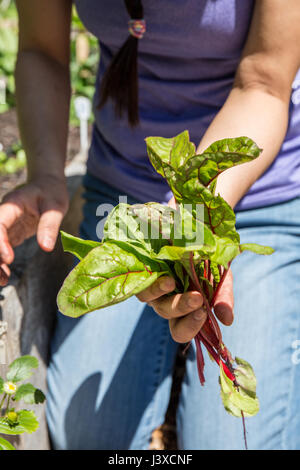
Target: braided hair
(120, 82)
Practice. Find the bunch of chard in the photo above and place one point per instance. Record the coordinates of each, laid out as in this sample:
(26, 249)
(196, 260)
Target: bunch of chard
(194, 243)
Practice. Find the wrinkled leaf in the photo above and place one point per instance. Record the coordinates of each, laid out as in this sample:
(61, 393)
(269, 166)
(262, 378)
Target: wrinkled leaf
(158, 222)
(220, 156)
(190, 229)
(27, 422)
(145, 225)
(218, 215)
(29, 394)
(22, 368)
(165, 153)
(107, 275)
(78, 247)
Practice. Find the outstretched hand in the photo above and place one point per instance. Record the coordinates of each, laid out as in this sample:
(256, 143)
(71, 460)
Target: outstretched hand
(35, 208)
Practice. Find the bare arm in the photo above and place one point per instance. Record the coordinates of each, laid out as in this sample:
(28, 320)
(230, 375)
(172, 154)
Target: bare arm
(43, 83)
(258, 104)
(43, 95)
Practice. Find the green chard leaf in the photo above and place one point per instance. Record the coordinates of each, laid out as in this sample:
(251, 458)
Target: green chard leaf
(22, 368)
(245, 376)
(217, 213)
(107, 275)
(190, 229)
(170, 153)
(5, 445)
(220, 156)
(226, 251)
(78, 247)
(258, 249)
(182, 276)
(26, 422)
(29, 394)
(237, 400)
(215, 271)
(148, 226)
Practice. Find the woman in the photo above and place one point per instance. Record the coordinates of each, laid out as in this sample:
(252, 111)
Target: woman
(219, 68)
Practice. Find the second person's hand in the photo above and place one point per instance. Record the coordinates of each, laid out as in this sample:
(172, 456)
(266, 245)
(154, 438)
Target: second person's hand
(37, 207)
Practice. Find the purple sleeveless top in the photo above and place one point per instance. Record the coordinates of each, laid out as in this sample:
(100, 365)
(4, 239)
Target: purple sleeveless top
(187, 62)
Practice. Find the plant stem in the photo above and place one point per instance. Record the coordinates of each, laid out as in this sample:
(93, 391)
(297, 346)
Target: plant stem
(197, 285)
(244, 429)
(2, 401)
(8, 401)
(200, 360)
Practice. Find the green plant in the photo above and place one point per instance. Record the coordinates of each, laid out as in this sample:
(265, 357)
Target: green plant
(195, 243)
(83, 72)
(13, 160)
(12, 421)
(8, 50)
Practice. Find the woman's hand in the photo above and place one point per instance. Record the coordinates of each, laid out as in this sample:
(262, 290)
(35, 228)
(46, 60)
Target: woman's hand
(185, 312)
(37, 208)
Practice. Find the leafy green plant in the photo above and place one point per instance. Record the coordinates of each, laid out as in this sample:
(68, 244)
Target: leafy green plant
(195, 243)
(83, 72)
(8, 50)
(12, 421)
(13, 160)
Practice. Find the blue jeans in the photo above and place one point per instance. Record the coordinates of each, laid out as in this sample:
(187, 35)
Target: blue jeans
(110, 371)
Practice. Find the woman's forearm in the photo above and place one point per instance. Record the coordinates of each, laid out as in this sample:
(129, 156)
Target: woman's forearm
(256, 113)
(43, 96)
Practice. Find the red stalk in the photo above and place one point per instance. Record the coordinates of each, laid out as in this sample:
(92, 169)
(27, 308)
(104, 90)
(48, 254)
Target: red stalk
(200, 361)
(216, 357)
(213, 321)
(210, 334)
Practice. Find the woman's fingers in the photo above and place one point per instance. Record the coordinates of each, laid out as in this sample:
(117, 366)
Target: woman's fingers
(162, 286)
(9, 213)
(177, 305)
(185, 329)
(170, 306)
(185, 312)
(223, 306)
